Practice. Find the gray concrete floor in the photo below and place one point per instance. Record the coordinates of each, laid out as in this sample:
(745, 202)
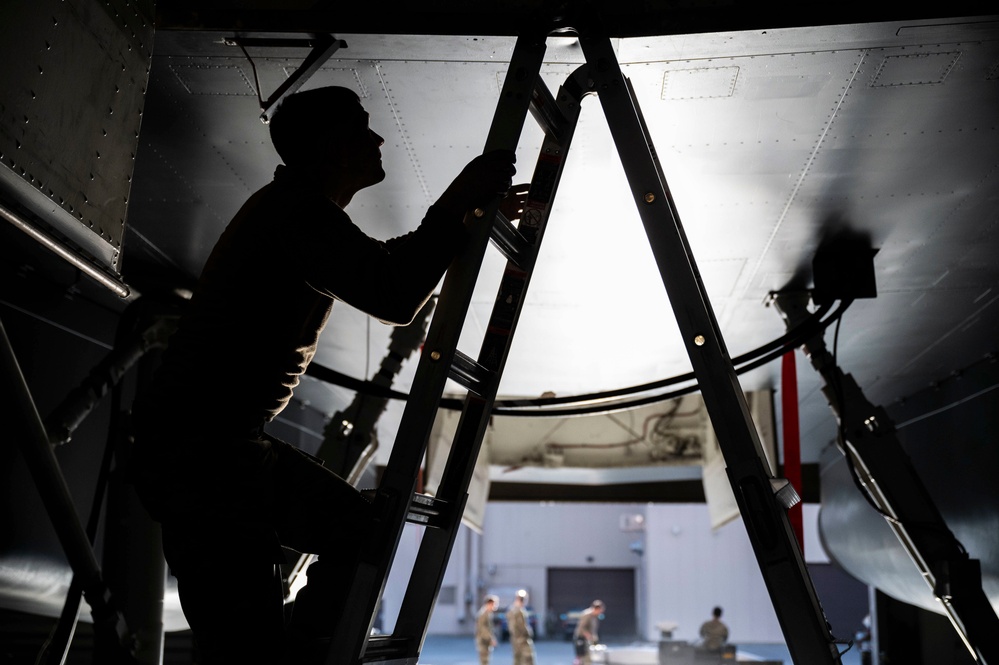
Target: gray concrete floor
(451, 650)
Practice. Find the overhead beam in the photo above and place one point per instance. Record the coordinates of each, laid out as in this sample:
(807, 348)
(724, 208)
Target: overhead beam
(667, 491)
(624, 18)
(323, 47)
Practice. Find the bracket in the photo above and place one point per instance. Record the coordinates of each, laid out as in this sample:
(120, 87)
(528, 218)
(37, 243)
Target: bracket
(323, 47)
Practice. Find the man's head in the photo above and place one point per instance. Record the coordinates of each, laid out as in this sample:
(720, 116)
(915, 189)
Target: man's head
(521, 597)
(326, 129)
(598, 605)
(491, 601)
(716, 612)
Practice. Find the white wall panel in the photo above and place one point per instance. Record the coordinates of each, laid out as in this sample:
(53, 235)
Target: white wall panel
(688, 567)
(691, 568)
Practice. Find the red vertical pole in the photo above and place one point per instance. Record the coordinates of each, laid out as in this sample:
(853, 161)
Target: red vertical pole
(792, 442)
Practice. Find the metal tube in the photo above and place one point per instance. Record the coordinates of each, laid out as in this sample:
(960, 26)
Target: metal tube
(117, 286)
(29, 433)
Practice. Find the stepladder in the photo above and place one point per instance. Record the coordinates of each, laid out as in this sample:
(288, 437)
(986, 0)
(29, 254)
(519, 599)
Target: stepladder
(362, 575)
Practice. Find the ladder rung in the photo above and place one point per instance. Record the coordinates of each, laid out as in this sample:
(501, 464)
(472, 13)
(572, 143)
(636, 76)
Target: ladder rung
(426, 510)
(389, 650)
(470, 374)
(546, 111)
(509, 240)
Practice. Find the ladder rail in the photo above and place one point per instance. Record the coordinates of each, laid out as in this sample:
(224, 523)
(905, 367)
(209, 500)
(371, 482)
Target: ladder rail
(436, 546)
(399, 479)
(780, 560)
(777, 553)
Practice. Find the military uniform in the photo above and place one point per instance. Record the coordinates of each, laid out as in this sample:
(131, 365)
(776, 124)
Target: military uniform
(586, 634)
(520, 635)
(485, 640)
(715, 634)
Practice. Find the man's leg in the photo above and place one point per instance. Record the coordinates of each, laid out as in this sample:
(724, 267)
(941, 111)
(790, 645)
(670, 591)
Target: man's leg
(318, 512)
(521, 651)
(211, 493)
(232, 598)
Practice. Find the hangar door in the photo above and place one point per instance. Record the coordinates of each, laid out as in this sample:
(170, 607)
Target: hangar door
(576, 588)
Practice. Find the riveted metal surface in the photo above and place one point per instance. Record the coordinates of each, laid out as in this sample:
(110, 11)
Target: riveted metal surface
(74, 82)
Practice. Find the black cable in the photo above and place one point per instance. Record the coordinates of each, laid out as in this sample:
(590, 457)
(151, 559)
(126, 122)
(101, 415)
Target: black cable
(744, 363)
(256, 80)
(790, 343)
(516, 407)
(849, 645)
(841, 433)
(806, 329)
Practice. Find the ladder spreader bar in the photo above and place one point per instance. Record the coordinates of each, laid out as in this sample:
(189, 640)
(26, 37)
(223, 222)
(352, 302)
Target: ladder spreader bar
(389, 650)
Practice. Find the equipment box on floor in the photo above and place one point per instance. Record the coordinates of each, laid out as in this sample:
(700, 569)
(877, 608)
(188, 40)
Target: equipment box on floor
(679, 652)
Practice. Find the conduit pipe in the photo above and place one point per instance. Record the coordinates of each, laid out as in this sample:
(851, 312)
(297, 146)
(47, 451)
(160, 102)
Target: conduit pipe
(28, 431)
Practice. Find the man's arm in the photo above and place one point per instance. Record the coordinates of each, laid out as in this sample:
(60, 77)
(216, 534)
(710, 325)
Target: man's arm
(589, 621)
(389, 281)
(392, 280)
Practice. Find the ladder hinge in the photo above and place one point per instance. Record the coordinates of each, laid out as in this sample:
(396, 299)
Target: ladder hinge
(389, 650)
(546, 111)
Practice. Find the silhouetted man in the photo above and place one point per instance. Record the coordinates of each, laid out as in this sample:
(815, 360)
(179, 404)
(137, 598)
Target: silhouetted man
(229, 495)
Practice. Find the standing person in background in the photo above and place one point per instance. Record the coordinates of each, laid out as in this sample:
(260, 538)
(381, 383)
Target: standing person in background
(585, 634)
(485, 639)
(714, 632)
(521, 635)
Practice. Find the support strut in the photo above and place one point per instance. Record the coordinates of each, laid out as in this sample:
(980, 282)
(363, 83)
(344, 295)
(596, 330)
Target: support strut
(873, 452)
